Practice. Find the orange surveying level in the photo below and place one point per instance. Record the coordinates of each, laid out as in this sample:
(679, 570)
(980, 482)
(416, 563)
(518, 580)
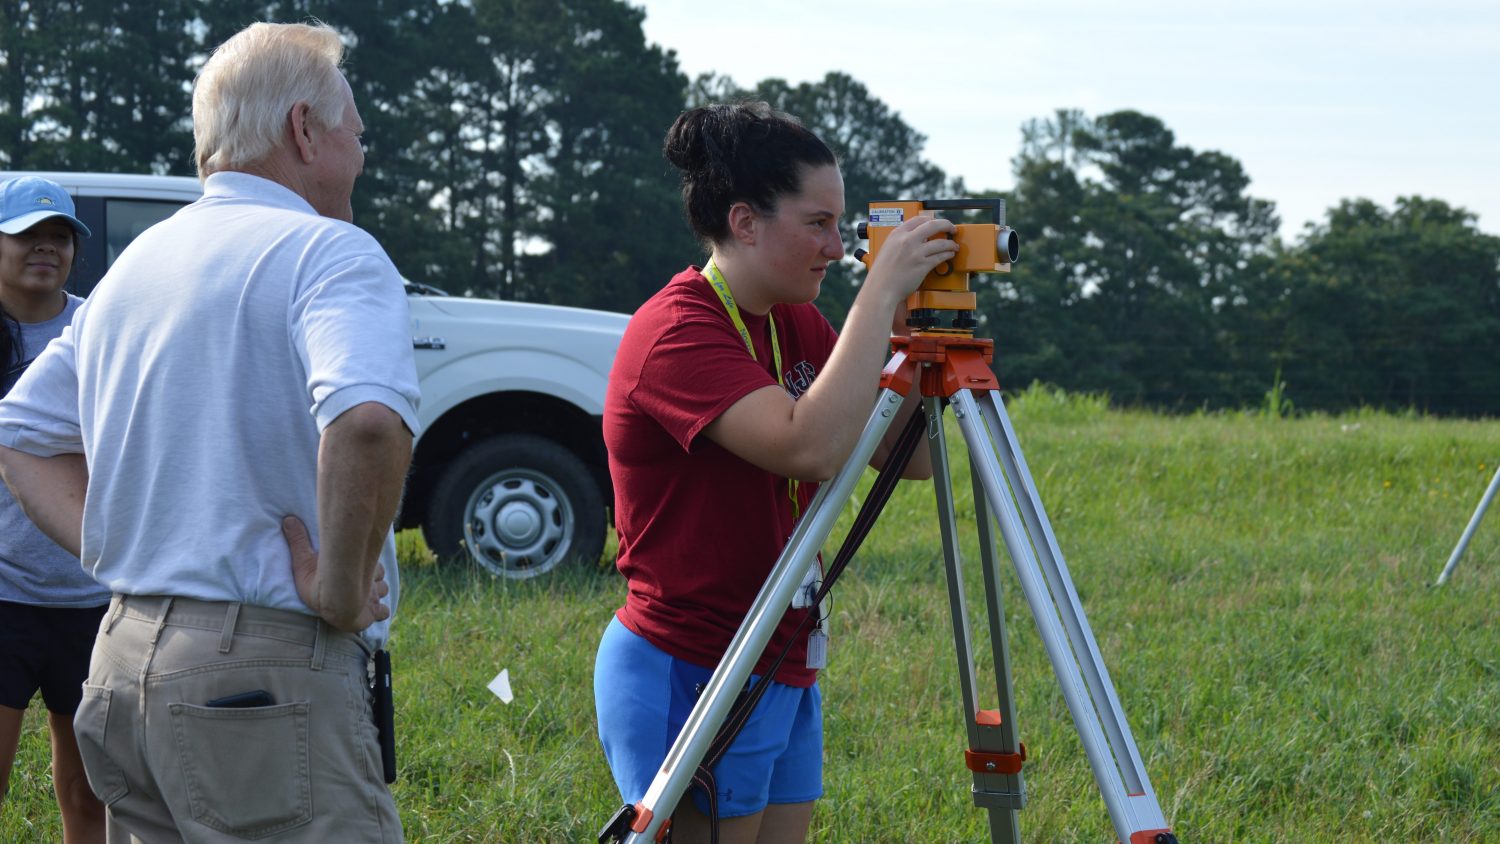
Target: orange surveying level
(982, 248)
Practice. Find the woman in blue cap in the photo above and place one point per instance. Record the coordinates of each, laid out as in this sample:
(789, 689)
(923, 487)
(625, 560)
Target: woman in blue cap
(50, 607)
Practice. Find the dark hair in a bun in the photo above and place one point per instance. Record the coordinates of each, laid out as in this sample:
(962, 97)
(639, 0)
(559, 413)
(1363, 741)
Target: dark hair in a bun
(742, 152)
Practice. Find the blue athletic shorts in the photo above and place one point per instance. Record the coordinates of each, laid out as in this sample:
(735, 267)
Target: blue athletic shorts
(643, 697)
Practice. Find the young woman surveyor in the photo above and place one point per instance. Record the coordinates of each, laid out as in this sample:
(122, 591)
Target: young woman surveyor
(730, 398)
(49, 606)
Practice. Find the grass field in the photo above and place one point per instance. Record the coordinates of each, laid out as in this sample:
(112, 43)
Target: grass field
(1259, 587)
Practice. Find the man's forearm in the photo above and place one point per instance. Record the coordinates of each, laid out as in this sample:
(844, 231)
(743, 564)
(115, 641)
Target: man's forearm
(51, 491)
(362, 462)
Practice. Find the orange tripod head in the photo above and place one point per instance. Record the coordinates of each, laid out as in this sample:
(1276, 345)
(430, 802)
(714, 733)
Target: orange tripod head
(944, 295)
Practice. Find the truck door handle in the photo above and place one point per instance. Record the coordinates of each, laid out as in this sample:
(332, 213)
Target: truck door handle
(428, 343)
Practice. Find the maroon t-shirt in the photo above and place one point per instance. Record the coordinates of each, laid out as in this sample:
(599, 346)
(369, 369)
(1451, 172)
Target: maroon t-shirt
(699, 528)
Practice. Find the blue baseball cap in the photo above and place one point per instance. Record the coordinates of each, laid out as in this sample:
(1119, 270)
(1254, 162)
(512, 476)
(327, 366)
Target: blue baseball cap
(28, 200)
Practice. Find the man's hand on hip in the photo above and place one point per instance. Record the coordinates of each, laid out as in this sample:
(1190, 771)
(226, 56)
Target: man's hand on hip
(305, 574)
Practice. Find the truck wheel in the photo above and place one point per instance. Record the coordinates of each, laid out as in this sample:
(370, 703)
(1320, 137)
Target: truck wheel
(520, 505)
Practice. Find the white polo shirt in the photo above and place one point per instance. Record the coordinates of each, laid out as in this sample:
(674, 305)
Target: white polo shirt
(197, 380)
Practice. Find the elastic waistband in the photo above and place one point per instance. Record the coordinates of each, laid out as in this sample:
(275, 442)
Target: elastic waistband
(231, 619)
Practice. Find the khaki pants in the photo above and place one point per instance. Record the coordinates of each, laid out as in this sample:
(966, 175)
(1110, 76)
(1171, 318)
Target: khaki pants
(171, 768)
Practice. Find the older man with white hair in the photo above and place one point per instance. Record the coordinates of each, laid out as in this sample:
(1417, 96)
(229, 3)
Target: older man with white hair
(222, 436)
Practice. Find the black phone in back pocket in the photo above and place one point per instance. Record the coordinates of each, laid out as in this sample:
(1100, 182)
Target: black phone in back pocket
(243, 700)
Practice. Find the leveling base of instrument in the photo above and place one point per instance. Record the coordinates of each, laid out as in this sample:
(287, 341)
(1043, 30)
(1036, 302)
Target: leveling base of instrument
(946, 371)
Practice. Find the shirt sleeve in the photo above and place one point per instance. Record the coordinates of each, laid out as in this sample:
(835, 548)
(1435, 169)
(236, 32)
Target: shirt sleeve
(351, 328)
(697, 369)
(40, 413)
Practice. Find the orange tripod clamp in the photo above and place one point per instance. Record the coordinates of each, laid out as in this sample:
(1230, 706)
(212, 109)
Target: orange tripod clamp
(948, 363)
(993, 761)
(986, 762)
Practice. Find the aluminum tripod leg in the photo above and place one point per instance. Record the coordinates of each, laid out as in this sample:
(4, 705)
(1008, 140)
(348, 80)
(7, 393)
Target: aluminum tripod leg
(1463, 541)
(754, 634)
(1002, 794)
(996, 460)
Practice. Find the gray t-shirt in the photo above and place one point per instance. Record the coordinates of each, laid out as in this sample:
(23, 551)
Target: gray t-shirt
(34, 569)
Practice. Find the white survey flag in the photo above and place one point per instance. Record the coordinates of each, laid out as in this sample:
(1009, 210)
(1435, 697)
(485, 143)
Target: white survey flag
(501, 686)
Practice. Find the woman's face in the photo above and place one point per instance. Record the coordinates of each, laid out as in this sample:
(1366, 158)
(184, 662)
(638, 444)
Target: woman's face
(36, 261)
(797, 243)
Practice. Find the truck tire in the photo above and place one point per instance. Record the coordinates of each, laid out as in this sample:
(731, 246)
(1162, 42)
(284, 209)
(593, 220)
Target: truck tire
(519, 505)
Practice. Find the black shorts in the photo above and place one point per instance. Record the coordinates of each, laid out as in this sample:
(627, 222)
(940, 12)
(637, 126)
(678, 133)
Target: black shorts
(46, 648)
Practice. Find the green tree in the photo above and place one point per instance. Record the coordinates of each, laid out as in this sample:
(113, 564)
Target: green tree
(542, 124)
(96, 85)
(414, 68)
(1391, 308)
(25, 32)
(612, 232)
(513, 146)
(1135, 249)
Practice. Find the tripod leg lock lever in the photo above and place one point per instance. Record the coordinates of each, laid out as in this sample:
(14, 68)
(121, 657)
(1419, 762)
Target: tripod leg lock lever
(630, 819)
(617, 828)
(985, 762)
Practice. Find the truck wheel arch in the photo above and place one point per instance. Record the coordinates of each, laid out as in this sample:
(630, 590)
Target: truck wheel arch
(491, 414)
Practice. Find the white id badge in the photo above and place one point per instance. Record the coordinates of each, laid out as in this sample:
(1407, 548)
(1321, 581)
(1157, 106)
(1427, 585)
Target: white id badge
(809, 588)
(817, 648)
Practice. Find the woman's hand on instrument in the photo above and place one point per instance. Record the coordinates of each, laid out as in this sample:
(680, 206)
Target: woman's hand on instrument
(910, 253)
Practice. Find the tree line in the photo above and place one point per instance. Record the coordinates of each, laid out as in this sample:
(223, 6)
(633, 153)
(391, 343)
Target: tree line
(513, 150)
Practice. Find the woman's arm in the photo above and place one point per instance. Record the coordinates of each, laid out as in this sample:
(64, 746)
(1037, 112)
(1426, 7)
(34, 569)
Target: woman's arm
(810, 438)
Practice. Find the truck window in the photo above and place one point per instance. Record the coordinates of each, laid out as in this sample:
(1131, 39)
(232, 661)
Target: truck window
(127, 218)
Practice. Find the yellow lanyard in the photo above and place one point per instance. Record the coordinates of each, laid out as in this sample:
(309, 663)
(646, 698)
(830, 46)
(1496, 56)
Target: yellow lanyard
(726, 298)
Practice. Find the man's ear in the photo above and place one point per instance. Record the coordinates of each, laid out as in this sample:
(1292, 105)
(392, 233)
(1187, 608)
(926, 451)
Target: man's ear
(298, 120)
(743, 223)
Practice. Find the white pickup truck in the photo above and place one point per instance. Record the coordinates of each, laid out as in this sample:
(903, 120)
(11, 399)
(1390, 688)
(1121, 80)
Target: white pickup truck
(510, 463)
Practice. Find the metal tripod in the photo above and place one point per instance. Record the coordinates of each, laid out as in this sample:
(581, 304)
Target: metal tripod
(947, 369)
(1463, 541)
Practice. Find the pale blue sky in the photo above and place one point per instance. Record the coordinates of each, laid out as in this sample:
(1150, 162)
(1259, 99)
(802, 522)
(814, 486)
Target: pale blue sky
(1320, 100)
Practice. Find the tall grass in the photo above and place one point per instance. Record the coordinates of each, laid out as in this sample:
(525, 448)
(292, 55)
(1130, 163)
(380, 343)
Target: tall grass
(1259, 587)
